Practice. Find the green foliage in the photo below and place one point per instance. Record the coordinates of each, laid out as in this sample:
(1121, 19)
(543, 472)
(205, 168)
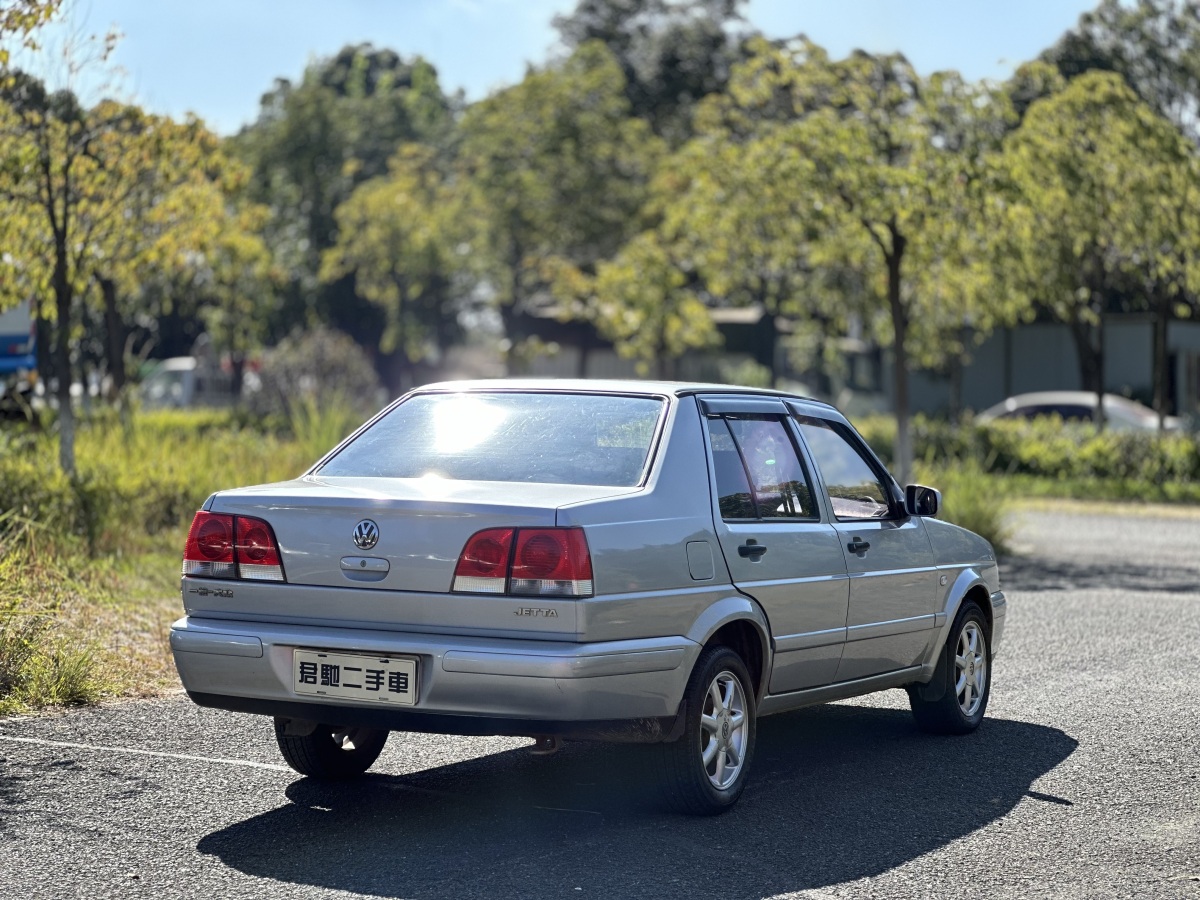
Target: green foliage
(1044, 457)
(641, 302)
(1103, 207)
(972, 498)
(557, 172)
(317, 425)
(23, 18)
(400, 235)
(1154, 45)
(136, 483)
(673, 54)
(316, 140)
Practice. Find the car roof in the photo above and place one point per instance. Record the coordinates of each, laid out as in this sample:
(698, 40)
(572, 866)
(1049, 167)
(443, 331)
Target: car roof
(608, 386)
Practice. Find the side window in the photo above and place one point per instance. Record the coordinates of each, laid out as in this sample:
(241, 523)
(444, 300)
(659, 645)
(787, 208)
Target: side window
(733, 488)
(761, 448)
(854, 489)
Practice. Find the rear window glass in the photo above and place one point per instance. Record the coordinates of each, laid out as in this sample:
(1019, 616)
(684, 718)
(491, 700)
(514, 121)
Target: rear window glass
(535, 437)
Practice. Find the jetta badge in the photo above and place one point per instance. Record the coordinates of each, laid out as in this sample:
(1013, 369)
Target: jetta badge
(366, 534)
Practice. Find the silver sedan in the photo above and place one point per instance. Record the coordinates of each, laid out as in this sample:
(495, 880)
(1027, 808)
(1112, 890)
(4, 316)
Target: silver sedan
(623, 561)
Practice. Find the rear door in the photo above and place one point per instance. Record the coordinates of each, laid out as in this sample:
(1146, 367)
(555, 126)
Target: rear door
(887, 553)
(778, 547)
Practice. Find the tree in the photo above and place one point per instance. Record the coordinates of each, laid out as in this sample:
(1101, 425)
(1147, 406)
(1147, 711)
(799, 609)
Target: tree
(172, 214)
(741, 211)
(895, 161)
(22, 18)
(73, 180)
(556, 171)
(1106, 196)
(1155, 46)
(642, 301)
(61, 184)
(313, 143)
(673, 54)
(399, 236)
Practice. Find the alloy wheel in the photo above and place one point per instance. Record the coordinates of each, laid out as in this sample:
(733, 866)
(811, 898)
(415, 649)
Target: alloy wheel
(970, 664)
(724, 730)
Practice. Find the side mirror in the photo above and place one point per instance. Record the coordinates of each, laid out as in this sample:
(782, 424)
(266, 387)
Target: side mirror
(922, 501)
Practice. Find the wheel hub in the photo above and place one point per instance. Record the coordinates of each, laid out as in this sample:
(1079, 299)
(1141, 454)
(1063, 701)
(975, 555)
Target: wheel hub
(724, 730)
(970, 663)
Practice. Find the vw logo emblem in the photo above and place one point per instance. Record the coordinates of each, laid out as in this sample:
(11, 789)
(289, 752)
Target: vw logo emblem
(366, 534)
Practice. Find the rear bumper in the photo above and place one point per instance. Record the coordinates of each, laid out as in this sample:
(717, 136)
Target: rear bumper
(517, 686)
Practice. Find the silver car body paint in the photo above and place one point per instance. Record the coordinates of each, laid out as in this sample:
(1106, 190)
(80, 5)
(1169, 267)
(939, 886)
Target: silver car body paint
(828, 623)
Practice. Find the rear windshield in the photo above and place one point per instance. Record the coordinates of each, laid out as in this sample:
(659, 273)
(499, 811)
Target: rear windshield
(535, 437)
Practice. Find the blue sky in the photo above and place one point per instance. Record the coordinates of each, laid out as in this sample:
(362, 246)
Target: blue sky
(217, 57)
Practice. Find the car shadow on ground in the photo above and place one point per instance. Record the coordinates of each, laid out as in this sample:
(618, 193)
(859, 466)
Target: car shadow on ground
(1036, 573)
(838, 793)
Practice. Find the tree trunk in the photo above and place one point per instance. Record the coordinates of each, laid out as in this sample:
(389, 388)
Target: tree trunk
(895, 260)
(508, 318)
(772, 346)
(62, 360)
(585, 349)
(1089, 357)
(509, 311)
(1101, 418)
(237, 364)
(114, 327)
(956, 389)
(1162, 321)
(664, 368)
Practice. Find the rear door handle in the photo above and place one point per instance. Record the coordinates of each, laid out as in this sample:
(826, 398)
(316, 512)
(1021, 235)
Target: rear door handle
(858, 545)
(752, 549)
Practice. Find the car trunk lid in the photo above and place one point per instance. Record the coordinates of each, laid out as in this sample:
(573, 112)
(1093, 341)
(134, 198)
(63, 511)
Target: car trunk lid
(420, 524)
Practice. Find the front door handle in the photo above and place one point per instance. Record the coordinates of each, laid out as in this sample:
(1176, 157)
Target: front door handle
(858, 545)
(752, 549)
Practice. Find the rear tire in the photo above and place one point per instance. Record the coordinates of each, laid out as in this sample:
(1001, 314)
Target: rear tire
(705, 771)
(330, 752)
(964, 676)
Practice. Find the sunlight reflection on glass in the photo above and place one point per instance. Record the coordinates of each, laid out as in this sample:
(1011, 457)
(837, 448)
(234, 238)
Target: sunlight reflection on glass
(464, 422)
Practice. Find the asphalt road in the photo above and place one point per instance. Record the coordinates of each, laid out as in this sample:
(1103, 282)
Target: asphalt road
(1083, 781)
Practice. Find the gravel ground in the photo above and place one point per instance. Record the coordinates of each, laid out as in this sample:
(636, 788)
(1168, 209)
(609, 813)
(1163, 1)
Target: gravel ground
(1082, 782)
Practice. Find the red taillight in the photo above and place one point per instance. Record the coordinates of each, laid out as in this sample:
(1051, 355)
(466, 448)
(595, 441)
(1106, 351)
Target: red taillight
(483, 566)
(221, 546)
(257, 552)
(209, 549)
(547, 562)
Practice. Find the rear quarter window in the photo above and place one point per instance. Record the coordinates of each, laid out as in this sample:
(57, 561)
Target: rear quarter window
(554, 438)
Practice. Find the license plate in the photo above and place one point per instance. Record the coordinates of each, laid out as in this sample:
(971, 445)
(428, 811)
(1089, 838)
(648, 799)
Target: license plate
(344, 676)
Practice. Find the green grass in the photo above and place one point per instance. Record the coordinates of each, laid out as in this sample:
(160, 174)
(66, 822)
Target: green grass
(89, 567)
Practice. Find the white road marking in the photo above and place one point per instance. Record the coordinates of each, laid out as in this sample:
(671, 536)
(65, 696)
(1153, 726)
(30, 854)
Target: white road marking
(67, 745)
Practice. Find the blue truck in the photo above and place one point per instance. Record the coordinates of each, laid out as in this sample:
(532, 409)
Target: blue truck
(18, 356)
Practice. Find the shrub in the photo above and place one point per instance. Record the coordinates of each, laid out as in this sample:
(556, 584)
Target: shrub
(1048, 457)
(322, 366)
(973, 499)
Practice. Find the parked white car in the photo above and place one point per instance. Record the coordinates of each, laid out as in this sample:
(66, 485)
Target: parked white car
(1120, 413)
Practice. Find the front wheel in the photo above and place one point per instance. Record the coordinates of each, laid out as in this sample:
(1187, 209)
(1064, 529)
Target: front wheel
(330, 751)
(705, 771)
(955, 699)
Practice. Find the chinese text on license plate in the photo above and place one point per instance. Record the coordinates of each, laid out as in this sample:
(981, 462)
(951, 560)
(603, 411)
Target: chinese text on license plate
(381, 679)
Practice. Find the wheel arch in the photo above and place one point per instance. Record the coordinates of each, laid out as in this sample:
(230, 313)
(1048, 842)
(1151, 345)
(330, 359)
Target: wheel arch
(969, 586)
(739, 623)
